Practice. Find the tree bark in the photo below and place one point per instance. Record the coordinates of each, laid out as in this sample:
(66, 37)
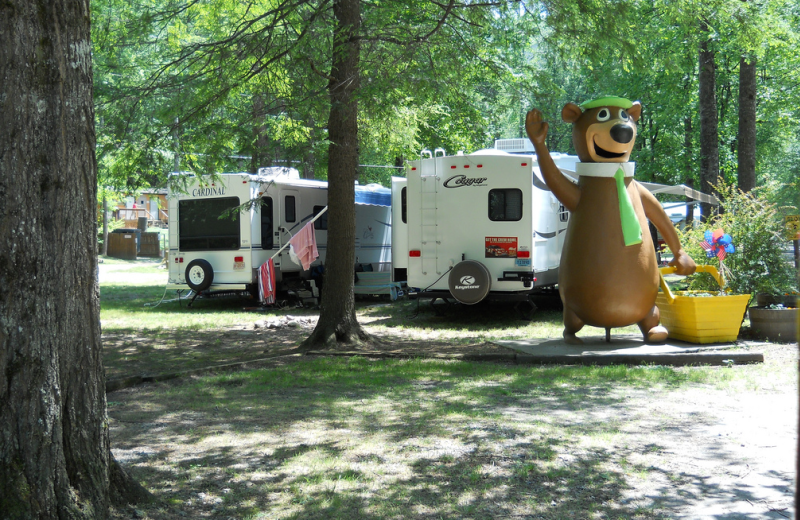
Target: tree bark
(261, 156)
(709, 141)
(54, 444)
(308, 156)
(105, 226)
(688, 150)
(746, 138)
(337, 320)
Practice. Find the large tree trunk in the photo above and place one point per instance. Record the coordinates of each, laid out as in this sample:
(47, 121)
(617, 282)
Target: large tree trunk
(308, 155)
(709, 141)
(105, 226)
(261, 156)
(337, 320)
(747, 124)
(55, 459)
(688, 151)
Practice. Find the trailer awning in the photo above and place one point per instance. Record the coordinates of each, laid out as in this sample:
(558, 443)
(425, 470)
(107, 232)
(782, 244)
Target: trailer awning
(373, 195)
(682, 190)
(654, 188)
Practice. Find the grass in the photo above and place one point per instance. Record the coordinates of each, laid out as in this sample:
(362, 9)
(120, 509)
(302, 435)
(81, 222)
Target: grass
(382, 439)
(355, 438)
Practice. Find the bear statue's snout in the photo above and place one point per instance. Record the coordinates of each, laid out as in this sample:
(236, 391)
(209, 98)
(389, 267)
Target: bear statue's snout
(622, 133)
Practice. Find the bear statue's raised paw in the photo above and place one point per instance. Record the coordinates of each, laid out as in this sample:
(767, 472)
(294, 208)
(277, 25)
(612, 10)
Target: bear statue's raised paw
(535, 127)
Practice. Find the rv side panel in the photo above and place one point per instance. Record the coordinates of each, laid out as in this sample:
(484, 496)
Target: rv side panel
(399, 229)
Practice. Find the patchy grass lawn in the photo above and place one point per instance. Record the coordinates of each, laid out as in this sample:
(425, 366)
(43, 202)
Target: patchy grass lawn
(354, 438)
(358, 438)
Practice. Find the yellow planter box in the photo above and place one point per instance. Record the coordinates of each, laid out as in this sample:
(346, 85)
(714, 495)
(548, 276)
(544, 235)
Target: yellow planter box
(701, 319)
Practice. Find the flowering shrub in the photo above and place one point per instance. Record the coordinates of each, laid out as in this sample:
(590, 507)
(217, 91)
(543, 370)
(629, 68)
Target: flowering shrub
(756, 227)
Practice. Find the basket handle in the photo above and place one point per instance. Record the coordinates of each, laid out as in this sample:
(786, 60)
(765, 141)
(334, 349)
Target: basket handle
(710, 269)
(663, 283)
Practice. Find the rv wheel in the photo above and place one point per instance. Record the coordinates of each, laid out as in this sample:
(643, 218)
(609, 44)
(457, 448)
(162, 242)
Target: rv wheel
(199, 275)
(469, 282)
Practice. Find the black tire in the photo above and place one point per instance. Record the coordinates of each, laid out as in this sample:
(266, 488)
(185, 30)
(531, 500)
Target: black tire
(469, 282)
(199, 275)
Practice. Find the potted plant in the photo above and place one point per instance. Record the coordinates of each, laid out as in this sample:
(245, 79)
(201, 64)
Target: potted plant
(777, 296)
(759, 266)
(775, 322)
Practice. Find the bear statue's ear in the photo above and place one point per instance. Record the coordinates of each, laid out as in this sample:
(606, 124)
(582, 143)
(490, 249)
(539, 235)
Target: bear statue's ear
(571, 112)
(635, 111)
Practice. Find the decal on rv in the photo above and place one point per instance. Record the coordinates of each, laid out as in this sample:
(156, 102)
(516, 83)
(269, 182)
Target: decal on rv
(501, 247)
(460, 181)
(207, 192)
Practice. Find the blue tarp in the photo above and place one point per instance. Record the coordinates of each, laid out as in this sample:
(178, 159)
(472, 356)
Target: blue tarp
(373, 195)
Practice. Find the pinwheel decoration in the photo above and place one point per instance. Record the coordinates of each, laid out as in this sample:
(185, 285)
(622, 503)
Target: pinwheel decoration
(717, 243)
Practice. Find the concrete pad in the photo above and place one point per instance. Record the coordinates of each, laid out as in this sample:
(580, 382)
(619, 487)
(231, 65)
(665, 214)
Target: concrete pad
(626, 349)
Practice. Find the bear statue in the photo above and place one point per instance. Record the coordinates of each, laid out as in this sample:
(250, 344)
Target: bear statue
(608, 275)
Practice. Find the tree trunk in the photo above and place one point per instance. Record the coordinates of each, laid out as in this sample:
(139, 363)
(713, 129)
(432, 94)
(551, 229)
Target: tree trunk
(747, 125)
(709, 142)
(308, 156)
(688, 150)
(54, 446)
(261, 155)
(337, 320)
(105, 226)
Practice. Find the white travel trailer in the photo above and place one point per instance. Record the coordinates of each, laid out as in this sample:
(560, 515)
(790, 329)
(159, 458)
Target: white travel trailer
(215, 249)
(477, 226)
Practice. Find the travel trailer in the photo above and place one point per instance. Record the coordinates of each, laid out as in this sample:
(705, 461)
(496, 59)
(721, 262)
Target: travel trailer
(215, 249)
(477, 226)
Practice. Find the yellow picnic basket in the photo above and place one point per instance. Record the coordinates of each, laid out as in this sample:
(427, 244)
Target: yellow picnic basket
(697, 316)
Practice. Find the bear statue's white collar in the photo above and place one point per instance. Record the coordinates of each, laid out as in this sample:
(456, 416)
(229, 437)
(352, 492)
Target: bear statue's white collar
(604, 169)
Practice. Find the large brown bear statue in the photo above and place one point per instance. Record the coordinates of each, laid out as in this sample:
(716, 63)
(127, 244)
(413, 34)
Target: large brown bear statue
(608, 276)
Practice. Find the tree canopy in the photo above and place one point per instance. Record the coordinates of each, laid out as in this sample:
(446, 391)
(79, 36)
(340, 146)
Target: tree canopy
(233, 86)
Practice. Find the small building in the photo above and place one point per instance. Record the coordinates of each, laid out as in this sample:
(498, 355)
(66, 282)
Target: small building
(151, 204)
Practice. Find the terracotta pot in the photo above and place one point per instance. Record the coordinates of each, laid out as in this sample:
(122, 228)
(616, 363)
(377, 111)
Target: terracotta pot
(774, 324)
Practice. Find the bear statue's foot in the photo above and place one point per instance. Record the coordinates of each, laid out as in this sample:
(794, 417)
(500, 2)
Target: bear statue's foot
(571, 339)
(657, 334)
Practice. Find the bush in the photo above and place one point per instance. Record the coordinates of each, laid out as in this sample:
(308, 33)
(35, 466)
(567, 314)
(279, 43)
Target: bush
(759, 264)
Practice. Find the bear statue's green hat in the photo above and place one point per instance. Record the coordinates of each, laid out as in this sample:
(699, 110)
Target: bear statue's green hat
(607, 101)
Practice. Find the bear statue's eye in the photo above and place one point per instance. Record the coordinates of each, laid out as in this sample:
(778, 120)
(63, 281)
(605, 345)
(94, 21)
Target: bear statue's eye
(603, 115)
(623, 114)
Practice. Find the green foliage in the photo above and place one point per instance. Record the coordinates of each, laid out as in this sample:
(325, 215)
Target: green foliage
(756, 227)
(233, 86)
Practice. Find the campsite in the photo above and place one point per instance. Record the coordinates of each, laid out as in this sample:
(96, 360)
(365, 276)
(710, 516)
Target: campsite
(436, 422)
(342, 259)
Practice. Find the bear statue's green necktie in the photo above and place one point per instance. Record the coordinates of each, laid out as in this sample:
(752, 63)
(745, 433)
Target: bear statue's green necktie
(631, 230)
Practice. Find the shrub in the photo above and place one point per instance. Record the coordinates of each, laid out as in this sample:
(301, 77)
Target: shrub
(759, 264)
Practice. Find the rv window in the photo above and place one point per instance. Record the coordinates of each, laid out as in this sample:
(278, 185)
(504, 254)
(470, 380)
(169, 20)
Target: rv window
(267, 230)
(321, 222)
(288, 209)
(201, 227)
(505, 205)
(403, 206)
(563, 214)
